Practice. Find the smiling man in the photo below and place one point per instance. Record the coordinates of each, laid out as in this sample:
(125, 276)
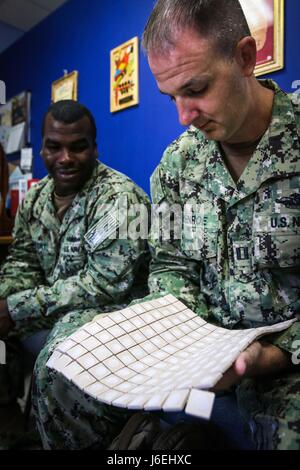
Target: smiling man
(65, 257)
(238, 166)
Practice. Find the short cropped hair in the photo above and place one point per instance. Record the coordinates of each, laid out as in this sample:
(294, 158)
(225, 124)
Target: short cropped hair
(68, 112)
(221, 20)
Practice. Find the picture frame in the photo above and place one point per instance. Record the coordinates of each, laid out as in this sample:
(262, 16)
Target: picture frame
(266, 22)
(65, 88)
(124, 75)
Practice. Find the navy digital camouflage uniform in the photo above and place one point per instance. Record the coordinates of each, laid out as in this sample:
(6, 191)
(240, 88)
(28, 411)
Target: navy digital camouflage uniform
(245, 269)
(237, 264)
(59, 267)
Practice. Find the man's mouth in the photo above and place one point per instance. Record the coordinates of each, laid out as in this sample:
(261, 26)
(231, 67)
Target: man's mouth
(66, 173)
(203, 127)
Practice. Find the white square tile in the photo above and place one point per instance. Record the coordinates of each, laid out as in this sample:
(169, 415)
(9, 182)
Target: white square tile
(127, 341)
(83, 380)
(90, 343)
(138, 379)
(87, 361)
(176, 400)
(122, 400)
(159, 342)
(138, 337)
(139, 322)
(138, 352)
(139, 367)
(137, 403)
(106, 322)
(149, 347)
(155, 402)
(117, 317)
(109, 396)
(115, 346)
(113, 363)
(156, 316)
(53, 359)
(102, 353)
(139, 308)
(99, 371)
(160, 355)
(111, 381)
(76, 351)
(170, 349)
(128, 326)
(72, 369)
(147, 331)
(129, 313)
(126, 387)
(93, 328)
(125, 373)
(62, 362)
(116, 331)
(148, 318)
(200, 404)
(66, 345)
(79, 336)
(158, 327)
(176, 332)
(126, 358)
(149, 361)
(104, 337)
(96, 389)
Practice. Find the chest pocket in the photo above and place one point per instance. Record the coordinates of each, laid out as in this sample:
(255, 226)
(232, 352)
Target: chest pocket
(200, 230)
(277, 225)
(44, 250)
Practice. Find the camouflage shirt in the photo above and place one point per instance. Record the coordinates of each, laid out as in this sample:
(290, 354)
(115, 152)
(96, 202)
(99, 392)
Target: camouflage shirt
(54, 266)
(240, 263)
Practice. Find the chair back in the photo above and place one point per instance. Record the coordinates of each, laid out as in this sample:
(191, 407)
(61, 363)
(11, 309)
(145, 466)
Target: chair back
(6, 223)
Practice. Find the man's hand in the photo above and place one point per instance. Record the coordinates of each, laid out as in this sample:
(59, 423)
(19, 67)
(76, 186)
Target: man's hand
(258, 359)
(6, 323)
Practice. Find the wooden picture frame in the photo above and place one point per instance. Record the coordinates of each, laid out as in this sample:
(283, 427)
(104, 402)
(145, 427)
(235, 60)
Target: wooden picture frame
(266, 22)
(65, 88)
(124, 75)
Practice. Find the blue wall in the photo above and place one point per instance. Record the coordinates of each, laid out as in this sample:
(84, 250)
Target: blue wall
(79, 36)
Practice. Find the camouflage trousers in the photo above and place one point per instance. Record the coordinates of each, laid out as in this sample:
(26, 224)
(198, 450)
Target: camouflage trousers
(66, 417)
(18, 360)
(69, 419)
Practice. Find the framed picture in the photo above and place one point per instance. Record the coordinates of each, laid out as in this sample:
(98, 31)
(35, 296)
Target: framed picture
(65, 88)
(124, 75)
(266, 22)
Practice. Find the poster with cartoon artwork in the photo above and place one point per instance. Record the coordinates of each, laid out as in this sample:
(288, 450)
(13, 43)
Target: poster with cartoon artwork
(124, 65)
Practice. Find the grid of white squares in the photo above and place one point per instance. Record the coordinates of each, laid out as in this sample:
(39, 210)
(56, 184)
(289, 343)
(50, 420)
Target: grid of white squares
(157, 355)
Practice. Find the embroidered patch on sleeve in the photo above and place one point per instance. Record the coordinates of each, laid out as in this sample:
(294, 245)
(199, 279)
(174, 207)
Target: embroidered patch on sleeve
(102, 230)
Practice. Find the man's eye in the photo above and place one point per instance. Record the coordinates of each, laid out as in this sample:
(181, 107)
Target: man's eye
(53, 148)
(196, 92)
(79, 148)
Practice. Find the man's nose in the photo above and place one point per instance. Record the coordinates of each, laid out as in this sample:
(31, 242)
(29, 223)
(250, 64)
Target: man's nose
(65, 156)
(187, 111)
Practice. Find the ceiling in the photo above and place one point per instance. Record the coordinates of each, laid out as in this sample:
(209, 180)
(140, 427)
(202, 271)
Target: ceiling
(19, 16)
(25, 14)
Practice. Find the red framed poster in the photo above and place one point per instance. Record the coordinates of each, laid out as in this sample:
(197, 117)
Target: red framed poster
(266, 22)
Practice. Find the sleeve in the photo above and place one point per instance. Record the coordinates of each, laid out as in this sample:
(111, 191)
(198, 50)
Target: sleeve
(288, 340)
(107, 277)
(21, 270)
(171, 272)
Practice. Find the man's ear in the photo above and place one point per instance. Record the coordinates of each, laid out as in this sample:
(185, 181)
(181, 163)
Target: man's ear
(245, 55)
(96, 152)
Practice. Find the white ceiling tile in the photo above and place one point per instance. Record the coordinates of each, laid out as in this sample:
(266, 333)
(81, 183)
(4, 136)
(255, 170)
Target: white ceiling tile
(25, 14)
(49, 5)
